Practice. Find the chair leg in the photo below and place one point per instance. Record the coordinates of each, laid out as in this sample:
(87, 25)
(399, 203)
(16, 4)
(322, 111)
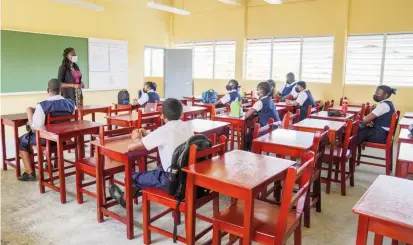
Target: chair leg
(394, 242)
(329, 173)
(216, 234)
(388, 161)
(277, 191)
(215, 206)
(358, 154)
(146, 210)
(49, 166)
(79, 193)
(337, 170)
(343, 177)
(352, 166)
(378, 239)
(317, 192)
(307, 209)
(177, 217)
(297, 235)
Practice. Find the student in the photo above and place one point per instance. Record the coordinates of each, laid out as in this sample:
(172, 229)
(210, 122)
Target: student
(304, 99)
(55, 105)
(289, 88)
(264, 109)
(232, 95)
(166, 138)
(272, 94)
(148, 96)
(376, 125)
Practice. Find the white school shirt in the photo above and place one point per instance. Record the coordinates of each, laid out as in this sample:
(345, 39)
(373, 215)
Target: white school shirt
(227, 98)
(258, 104)
(293, 92)
(39, 118)
(144, 98)
(167, 138)
(302, 97)
(381, 109)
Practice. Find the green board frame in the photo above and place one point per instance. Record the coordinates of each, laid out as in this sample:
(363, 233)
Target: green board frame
(30, 60)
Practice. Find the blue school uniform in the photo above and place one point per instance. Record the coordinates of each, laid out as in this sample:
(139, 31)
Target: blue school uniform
(153, 96)
(287, 89)
(268, 111)
(309, 101)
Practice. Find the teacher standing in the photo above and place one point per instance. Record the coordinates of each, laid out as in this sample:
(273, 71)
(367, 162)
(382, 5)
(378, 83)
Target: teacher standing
(71, 77)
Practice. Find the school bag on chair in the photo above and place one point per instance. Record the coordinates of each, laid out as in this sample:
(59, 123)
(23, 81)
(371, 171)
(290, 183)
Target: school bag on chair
(209, 96)
(123, 97)
(177, 177)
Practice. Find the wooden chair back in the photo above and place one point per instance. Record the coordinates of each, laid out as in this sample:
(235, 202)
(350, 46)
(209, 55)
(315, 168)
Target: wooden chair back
(368, 109)
(119, 108)
(327, 105)
(350, 137)
(258, 130)
(286, 121)
(321, 141)
(216, 111)
(296, 117)
(248, 94)
(151, 107)
(152, 120)
(54, 119)
(363, 110)
(219, 149)
(342, 99)
(294, 201)
(309, 108)
(392, 130)
(112, 133)
(332, 103)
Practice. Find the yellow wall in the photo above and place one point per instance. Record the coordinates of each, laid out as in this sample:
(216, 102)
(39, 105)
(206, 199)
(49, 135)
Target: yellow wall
(211, 20)
(125, 20)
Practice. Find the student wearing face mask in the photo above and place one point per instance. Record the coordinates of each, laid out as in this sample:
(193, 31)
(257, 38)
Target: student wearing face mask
(149, 94)
(263, 108)
(232, 95)
(71, 77)
(304, 99)
(376, 125)
(289, 88)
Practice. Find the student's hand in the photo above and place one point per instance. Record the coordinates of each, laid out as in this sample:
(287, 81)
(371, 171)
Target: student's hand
(370, 124)
(135, 102)
(143, 132)
(82, 85)
(136, 134)
(132, 147)
(288, 101)
(76, 85)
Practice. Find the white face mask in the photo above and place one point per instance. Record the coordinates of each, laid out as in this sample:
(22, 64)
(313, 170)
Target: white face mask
(257, 95)
(74, 59)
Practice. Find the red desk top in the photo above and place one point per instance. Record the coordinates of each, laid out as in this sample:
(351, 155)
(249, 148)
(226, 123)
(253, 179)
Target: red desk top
(405, 135)
(406, 154)
(320, 124)
(406, 121)
(68, 127)
(291, 138)
(200, 126)
(349, 109)
(388, 198)
(15, 117)
(324, 115)
(92, 107)
(240, 168)
(408, 114)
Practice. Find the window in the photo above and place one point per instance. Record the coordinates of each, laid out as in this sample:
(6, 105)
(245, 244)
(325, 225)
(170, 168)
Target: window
(380, 59)
(309, 58)
(317, 59)
(153, 62)
(213, 59)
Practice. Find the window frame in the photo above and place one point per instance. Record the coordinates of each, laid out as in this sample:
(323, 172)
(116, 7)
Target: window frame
(151, 48)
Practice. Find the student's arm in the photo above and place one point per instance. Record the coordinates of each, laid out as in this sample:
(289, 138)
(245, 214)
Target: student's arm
(38, 118)
(302, 97)
(143, 99)
(137, 145)
(381, 109)
(29, 112)
(224, 100)
(254, 109)
(150, 141)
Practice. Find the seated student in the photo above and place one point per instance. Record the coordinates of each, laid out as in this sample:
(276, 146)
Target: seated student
(376, 125)
(272, 94)
(304, 99)
(289, 88)
(166, 138)
(232, 95)
(264, 109)
(148, 96)
(55, 105)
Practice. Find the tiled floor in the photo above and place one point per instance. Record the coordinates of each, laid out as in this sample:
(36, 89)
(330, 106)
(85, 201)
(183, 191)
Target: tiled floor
(31, 218)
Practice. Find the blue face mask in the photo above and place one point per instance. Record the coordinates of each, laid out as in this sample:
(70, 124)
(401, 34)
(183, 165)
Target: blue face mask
(229, 87)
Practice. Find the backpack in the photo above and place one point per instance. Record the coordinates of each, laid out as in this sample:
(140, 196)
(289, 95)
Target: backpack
(123, 97)
(177, 177)
(209, 96)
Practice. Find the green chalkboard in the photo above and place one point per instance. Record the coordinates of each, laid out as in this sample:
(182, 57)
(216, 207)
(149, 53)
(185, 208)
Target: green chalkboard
(30, 60)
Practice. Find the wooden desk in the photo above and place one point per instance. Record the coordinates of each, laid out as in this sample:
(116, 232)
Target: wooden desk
(208, 106)
(192, 112)
(238, 124)
(127, 120)
(209, 128)
(15, 121)
(405, 136)
(350, 109)
(290, 142)
(404, 164)
(239, 174)
(285, 105)
(324, 116)
(316, 125)
(192, 99)
(116, 148)
(60, 133)
(387, 210)
(408, 114)
(91, 109)
(405, 122)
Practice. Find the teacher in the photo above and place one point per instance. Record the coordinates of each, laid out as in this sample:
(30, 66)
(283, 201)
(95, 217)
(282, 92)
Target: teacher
(71, 77)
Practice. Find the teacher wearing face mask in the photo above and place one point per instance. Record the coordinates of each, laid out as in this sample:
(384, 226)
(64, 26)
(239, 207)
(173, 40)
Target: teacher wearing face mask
(71, 77)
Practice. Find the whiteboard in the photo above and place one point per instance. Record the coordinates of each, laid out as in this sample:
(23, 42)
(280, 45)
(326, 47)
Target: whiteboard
(108, 64)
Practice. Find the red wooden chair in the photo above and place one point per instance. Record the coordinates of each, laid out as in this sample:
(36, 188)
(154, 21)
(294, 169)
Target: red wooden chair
(258, 130)
(296, 117)
(88, 166)
(249, 94)
(163, 198)
(51, 149)
(118, 109)
(368, 109)
(309, 111)
(149, 121)
(151, 107)
(332, 103)
(343, 154)
(286, 121)
(342, 99)
(387, 147)
(272, 224)
(327, 105)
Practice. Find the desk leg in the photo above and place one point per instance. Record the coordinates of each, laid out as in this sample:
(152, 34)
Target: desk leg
(190, 215)
(248, 213)
(128, 190)
(362, 230)
(3, 146)
(61, 164)
(40, 163)
(81, 147)
(16, 144)
(330, 164)
(99, 193)
(378, 239)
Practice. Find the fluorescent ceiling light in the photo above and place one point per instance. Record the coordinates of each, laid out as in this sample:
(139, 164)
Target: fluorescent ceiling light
(274, 1)
(82, 4)
(167, 8)
(232, 2)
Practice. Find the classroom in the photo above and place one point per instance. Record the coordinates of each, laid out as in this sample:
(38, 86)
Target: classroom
(206, 122)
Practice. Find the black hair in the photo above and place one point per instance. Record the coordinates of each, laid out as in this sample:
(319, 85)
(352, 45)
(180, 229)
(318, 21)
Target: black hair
(235, 82)
(265, 87)
(66, 62)
(172, 109)
(290, 74)
(302, 84)
(150, 84)
(54, 86)
(271, 83)
(387, 90)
